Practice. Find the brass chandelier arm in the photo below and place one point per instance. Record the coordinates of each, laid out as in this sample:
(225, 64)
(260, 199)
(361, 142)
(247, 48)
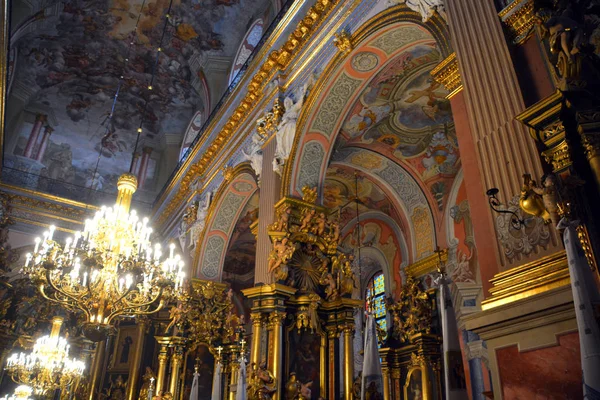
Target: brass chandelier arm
(122, 311)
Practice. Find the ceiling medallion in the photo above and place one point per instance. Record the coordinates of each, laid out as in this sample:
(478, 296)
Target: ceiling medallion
(365, 61)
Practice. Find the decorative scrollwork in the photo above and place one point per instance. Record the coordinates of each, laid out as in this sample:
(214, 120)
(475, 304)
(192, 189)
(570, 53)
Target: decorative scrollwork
(411, 315)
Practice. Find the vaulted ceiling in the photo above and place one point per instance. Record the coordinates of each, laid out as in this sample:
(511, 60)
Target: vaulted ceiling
(168, 59)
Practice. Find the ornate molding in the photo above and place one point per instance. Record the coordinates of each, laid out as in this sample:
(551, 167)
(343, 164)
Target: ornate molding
(427, 265)
(447, 73)
(528, 280)
(343, 41)
(277, 60)
(518, 17)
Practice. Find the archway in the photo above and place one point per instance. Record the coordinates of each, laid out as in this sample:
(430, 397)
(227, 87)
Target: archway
(228, 205)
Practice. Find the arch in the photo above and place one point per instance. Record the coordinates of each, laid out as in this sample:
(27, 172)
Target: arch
(404, 191)
(325, 107)
(225, 210)
(247, 46)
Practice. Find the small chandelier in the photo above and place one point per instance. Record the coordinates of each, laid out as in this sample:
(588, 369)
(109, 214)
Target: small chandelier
(108, 271)
(22, 392)
(48, 367)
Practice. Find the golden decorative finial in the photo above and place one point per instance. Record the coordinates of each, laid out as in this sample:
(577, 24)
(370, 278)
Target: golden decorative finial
(227, 172)
(309, 194)
(343, 41)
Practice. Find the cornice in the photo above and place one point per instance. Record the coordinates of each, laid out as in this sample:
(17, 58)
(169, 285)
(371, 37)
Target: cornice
(276, 60)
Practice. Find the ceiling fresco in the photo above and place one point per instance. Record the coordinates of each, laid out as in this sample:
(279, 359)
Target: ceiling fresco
(72, 68)
(238, 267)
(404, 114)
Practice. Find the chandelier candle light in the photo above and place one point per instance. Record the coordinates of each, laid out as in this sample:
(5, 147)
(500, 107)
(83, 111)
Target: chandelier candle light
(109, 270)
(48, 367)
(22, 392)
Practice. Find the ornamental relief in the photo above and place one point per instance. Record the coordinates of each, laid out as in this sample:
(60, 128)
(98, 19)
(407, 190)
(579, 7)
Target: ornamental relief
(227, 212)
(212, 257)
(312, 159)
(334, 103)
(392, 41)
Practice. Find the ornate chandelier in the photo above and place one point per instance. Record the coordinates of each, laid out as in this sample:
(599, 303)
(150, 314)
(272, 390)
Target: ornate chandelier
(22, 392)
(109, 270)
(48, 367)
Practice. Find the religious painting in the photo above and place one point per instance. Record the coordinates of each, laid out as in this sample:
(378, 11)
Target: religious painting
(413, 388)
(304, 353)
(456, 370)
(124, 348)
(203, 359)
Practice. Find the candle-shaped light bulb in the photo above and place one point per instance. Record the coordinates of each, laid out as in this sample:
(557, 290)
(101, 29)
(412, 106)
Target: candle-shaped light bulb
(37, 244)
(51, 233)
(85, 278)
(172, 249)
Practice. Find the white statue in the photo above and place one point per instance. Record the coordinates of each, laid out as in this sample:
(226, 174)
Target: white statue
(255, 155)
(198, 226)
(424, 7)
(287, 127)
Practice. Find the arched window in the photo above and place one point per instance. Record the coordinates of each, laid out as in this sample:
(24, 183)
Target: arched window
(246, 48)
(191, 133)
(375, 299)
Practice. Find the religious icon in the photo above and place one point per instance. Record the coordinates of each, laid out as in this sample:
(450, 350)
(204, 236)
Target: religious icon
(415, 385)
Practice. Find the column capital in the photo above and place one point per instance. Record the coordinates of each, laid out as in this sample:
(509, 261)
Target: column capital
(277, 317)
(147, 150)
(447, 74)
(48, 129)
(41, 118)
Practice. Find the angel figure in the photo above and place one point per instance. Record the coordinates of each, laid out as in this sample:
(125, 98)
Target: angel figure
(331, 289)
(306, 221)
(425, 7)
(281, 252)
(287, 127)
(176, 315)
(283, 221)
(462, 272)
(255, 155)
(319, 227)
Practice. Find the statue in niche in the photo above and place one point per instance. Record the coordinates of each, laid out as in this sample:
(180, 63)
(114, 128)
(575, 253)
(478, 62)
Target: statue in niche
(201, 215)
(255, 155)
(286, 130)
(424, 7)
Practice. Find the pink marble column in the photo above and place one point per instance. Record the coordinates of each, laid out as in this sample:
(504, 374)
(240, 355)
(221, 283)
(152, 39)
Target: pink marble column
(40, 119)
(270, 184)
(144, 166)
(44, 144)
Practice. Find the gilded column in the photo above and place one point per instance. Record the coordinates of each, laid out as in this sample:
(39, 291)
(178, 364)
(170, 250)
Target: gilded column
(162, 363)
(276, 319)
(96, 369)
(332, 335)
(176, 364)
(233, 368)
(270, 184)
(348, 360)
(44, 144)
(427, 395)
(385, 372)
(257, 324)
(40, 119)
(589, 129)
(134, 369)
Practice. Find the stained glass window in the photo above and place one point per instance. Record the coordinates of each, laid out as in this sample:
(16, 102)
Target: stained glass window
(375, 299)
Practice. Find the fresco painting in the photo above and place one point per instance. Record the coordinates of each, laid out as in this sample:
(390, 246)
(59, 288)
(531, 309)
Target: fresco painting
(72, 69)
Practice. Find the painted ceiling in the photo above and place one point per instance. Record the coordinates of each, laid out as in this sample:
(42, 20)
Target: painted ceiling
(69, 66)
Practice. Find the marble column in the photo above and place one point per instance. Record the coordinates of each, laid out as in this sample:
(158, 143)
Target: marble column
(476, 352)
(40, 119)
(134, 369)
(503, 148)
(44, 143)
(146, 151)
(270, 184)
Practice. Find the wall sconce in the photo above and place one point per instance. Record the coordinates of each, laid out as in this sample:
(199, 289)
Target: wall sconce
(516, 221)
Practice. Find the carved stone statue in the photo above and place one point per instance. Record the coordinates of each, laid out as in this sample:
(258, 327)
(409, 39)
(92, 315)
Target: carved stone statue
(255, 155)
(425, 7)
(287, 127)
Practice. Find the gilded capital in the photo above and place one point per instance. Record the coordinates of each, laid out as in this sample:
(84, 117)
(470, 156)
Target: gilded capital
(558, 156)
(591, 144)
(447, 74)
(343, 42)
(519, 18)
(256, 318)
(277, 317)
